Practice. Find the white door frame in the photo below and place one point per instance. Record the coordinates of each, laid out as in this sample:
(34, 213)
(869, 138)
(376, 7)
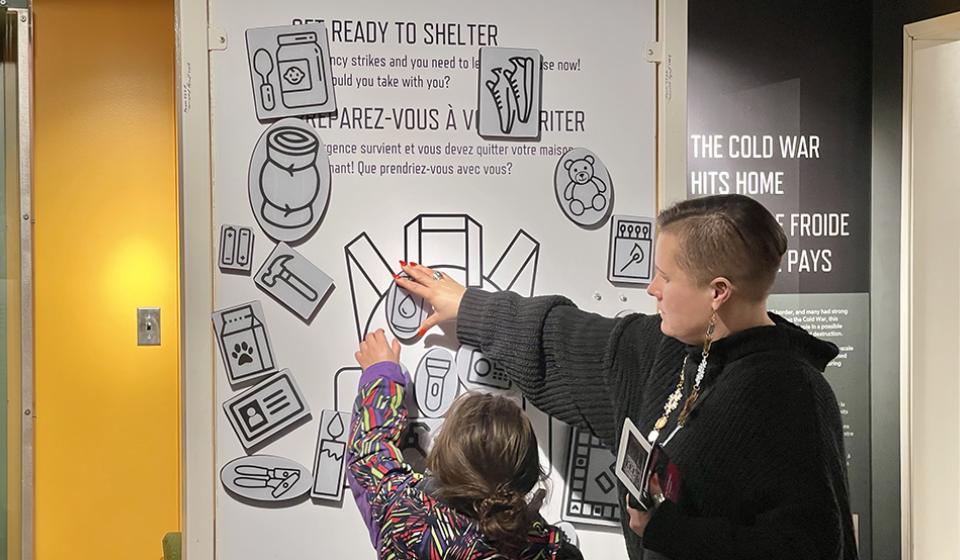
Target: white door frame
(197, 397)
(941, 28)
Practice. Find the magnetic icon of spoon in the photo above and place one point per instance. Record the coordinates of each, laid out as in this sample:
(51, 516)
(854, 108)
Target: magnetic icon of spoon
(263, 65)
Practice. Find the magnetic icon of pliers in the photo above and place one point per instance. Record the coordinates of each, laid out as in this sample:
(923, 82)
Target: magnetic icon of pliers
(281, 480)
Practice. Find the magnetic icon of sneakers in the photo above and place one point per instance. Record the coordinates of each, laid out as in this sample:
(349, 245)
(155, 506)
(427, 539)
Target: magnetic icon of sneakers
(503, 98)
(521, 85)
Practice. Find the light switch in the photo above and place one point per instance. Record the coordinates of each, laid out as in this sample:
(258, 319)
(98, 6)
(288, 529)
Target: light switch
(148, 326)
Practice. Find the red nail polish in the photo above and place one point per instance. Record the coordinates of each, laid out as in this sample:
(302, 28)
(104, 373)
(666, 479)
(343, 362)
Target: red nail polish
(413, 264)
(403, 263)
(421, 332)
(396, 276)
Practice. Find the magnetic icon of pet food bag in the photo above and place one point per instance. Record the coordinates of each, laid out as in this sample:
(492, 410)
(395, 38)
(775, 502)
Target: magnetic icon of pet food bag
(244, 343)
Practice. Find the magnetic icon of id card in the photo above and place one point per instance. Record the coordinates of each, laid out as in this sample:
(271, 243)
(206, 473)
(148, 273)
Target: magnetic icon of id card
(631, 467)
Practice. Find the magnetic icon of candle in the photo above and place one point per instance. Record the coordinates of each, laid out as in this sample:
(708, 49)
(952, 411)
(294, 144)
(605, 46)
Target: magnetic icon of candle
(329, 465)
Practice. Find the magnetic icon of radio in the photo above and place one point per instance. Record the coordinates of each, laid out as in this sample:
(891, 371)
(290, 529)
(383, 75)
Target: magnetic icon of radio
(475, 370)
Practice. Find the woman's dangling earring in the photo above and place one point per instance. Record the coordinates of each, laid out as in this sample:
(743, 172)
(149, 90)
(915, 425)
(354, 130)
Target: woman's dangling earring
(708, 339)
(701, 370)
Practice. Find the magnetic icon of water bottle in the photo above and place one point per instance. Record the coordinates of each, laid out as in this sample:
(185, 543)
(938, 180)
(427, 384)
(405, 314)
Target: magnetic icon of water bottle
(437, 371)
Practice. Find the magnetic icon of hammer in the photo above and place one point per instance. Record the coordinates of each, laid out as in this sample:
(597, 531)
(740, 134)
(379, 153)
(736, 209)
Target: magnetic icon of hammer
(278, 271)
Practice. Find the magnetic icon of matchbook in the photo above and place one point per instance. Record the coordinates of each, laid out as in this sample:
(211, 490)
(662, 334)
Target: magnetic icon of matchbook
(509, 93)
(290, 70)
(293, 281)
(631, 250)
(288, 181)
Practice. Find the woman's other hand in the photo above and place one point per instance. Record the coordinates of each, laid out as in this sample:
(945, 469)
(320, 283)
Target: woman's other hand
(375, 349)
(443, 294)
(639, 518)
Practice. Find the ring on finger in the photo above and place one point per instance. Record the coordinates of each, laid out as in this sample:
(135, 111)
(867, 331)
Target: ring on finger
(437, 275)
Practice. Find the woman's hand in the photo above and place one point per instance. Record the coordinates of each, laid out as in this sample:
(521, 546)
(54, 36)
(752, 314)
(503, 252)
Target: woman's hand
(639, 518)
(375, 349)
(444, 295)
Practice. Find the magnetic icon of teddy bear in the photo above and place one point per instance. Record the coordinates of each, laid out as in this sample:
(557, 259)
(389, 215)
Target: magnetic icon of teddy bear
(584, 189)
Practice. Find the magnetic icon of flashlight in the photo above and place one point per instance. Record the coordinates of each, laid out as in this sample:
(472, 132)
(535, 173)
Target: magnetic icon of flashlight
(437, 370)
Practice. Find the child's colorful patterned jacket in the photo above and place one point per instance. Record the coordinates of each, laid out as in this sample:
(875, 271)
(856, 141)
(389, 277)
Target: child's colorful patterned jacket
(406, 522)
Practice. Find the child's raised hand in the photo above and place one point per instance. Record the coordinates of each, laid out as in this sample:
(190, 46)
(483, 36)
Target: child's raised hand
(375, 349)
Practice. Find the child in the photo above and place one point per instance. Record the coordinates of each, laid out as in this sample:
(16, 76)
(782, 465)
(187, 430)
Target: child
(482, 465)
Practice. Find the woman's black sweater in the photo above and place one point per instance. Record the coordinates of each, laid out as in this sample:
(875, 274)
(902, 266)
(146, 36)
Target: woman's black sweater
(761, 455)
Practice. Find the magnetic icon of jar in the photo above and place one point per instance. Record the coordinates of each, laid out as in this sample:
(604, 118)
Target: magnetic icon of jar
(299, 59)
(290, 180)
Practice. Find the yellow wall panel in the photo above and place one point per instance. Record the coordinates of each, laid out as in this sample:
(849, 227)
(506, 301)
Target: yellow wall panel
(105, 199)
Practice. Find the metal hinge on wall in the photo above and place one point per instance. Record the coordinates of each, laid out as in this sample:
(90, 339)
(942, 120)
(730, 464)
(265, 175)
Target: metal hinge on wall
(653, 52)
(216, 39)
